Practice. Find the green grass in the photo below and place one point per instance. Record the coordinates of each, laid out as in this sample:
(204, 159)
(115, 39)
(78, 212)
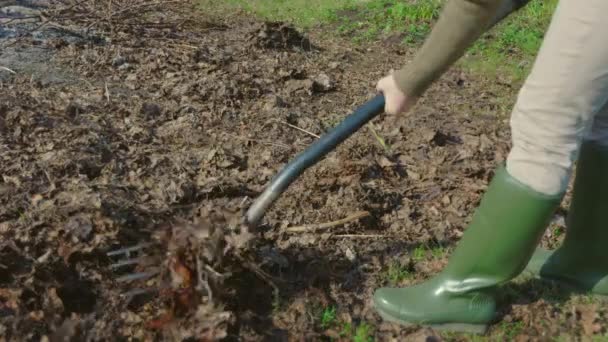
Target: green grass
(424, 252)
(419, 253)
(359, 333)
(508, 49)
(303, 13)
(510, 330)
(378, 18)
(328, 317)
(395, 274)
(438, 252)
(363, 333)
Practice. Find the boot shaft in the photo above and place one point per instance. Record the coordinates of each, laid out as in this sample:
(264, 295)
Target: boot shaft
(504, 232)
(587, 220)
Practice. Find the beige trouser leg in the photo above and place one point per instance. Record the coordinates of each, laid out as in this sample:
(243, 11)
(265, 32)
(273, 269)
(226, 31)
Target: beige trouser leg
(559, 101)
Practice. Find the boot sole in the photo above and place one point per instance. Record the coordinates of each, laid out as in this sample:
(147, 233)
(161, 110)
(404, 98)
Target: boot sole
(479, 329)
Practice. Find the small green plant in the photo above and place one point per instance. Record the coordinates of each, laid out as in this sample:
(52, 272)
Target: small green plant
(557, 232)
(363, 333)
(347, 330)
(380, 139)
(419, 253)
(587, 299)
(438, 252)
(396, 273)
(360, 333)
(511, 330)
(328, 317)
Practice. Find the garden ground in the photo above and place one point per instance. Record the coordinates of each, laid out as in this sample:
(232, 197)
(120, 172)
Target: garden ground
(157, 123)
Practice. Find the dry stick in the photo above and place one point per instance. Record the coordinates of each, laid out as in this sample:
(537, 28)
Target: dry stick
(258, 271)
(72, 6)
(127, 250)
(7, 69)
(172, 42)
(137, 276)
(359, 236)
(268, 143)
(314, 227)
(107, 92)
(66, 29)
(299, 129)
(109, 19)
(8, 21)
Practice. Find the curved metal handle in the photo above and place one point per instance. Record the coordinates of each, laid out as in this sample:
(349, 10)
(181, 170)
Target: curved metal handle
(312, 155)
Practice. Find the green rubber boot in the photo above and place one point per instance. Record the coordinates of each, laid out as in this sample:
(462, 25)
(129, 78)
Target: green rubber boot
(495, 248)
(581, 262)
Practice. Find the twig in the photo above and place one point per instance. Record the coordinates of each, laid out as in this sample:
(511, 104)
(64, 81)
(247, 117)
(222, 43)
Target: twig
(109, 19)
(10, 20)
(72, 6)
(66, 30)
(215, 273)
(258, 271)
(299, 129)
(203, 281)
(314, 227)
(107, 93)
(140, 6)
(359, 236)
(268, 143)
(179, 45)
(7, 69)
(29, 32)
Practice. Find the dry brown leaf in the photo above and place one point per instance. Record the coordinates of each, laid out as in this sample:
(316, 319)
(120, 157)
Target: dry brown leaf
(181, 276)
(588, 316)
(161, 322)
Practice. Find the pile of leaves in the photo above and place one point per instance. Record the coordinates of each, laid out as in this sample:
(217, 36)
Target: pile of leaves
(86, 172)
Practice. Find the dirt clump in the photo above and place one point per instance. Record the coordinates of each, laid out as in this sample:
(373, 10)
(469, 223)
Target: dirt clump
(278, 35)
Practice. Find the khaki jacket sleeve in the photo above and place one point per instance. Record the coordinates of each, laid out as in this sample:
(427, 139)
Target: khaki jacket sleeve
(461, 23)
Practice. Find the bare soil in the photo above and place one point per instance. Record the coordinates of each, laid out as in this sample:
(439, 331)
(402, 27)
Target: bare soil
(164, 126)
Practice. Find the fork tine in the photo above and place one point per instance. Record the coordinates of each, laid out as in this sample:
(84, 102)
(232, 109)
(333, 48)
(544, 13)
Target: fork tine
(127, 251)
(137, 292)
(127, 262)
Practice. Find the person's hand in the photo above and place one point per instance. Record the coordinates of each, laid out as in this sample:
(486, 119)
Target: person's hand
(396, 101)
